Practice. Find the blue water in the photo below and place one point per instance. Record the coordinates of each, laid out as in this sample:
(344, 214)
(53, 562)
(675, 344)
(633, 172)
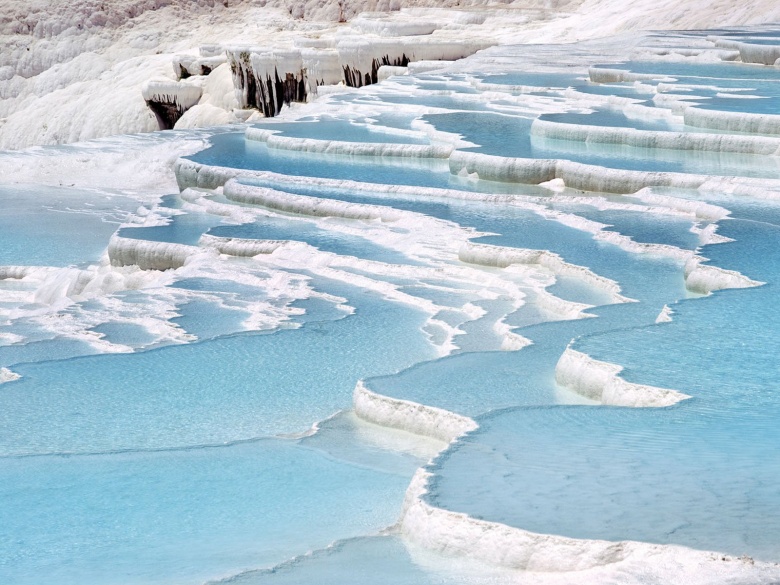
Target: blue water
(385, 560)
(51, 226)
(180, 229)
(194, 394)
(698, 474)
(231, 150)
(398, 120)
(763, 105)
(642, 227)
(446, 98)
(513, 227)
(531, 79)
(206, 320)
(281, 228)
(771, 40)
(334, 129)
(622, 90)
(495, 134)
(44, 349)
(660, 160)
(703, 70)
(510, 379)
(610, 119)
(435, 82)
(749, 87)
(182, 516)
(759, 96)
(143, 471)
(502, 135)
(748, 32)
(124, 333)
(492, 132)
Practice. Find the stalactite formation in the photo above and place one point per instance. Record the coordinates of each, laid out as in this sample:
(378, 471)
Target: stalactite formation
(167, 111)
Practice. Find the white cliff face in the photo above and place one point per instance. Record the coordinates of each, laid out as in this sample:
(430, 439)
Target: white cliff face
(75, 71)
(169, 100)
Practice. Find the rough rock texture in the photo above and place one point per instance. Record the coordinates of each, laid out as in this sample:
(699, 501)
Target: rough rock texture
(72, 71)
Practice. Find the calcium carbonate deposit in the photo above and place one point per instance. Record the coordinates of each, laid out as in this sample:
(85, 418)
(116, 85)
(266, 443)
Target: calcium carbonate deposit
(402, 292)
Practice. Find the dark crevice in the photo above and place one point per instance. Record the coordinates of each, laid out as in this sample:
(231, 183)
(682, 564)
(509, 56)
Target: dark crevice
(269, 95)
(356, 78)
(167, 111)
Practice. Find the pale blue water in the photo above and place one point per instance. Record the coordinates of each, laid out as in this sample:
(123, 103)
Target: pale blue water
(281, 228)
(181, 229)
(492, 132)
(51, 226)
(385, 560)
(756, 82)
(750, 87)
(763, 105)
(334, 129)
(611, 119)
(622, 90)
(125, 333)
(698, 474)
(194, 394)
(531, 79)
(205, 319)
(182, 516)
(748, 32)
(45, 349)
(377, 559)
(645, 159)
(398, 120)
(441, 85)
(449, 102)
(760, 96)
(572, 289)
(642, 228)
(142, 510)
(516, 227)
(773, 40)
(703, 70)
(505, 378)
(231, 150)
(503, 135)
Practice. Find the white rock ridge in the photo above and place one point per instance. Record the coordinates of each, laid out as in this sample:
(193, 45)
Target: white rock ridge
(72, 71)
(600, 381)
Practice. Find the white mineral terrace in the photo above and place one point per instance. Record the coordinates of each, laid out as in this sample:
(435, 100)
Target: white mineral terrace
(446, 143)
